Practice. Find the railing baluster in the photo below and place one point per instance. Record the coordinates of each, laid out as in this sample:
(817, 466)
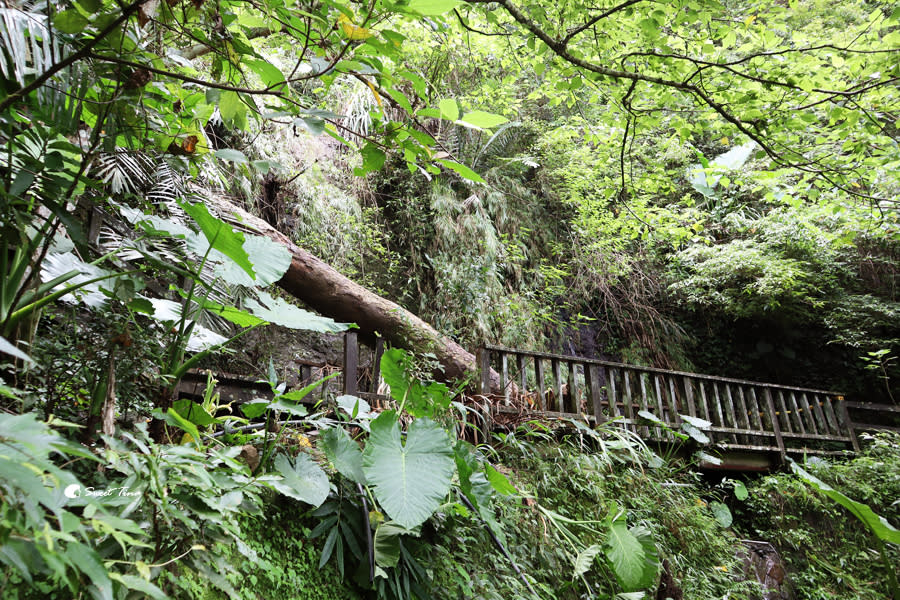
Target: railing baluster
(523, 379)
(351, 363)
(729, 409)
(557, 385)
(779, 441)
(661, 415)
(689, 395)
(785, 421)
(674, 407)
(542, 387)
(645, 405)
(628, 399)
(761, 417)
(504, 370)
(829, 414)
(596, 392)
(848, 424)
(809, 414)
(484, 367)
(798, 414)
(613, 394)
(574, 404)
(376, 363)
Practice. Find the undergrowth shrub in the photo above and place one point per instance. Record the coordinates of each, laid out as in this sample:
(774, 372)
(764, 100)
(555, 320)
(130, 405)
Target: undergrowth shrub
(829, 553)
(585, 484)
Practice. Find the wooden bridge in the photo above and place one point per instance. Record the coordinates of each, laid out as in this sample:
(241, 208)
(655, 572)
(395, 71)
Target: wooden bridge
(753, 423)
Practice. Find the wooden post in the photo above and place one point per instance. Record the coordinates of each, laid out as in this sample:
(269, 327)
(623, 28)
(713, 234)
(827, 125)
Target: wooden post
(351, 363)
(376, 363)
(484, 371)
(593, 378)
(851, 431)
(776, 426)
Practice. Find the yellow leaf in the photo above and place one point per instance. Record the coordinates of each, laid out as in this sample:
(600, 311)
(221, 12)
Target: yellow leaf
(143, 569)
(351, 31)
(375, 93)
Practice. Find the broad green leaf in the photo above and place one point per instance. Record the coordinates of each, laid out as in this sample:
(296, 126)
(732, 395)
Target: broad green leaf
(394, 375)
(449, 109)
(355, 407)
(740, 491)
(70, 21)
(304, 480)
(193, 412)
(410, 480)
(298, 410)
(485, 120)
(89, 562)
(373, 157)
(139, 584)
(722, 514)
(173, 418)
(626, 556)
(463, 170)
(343, 453)
(270, 262)
(7, 348)
(254, 408)
(298, 395)
(584, 559)
(649, 416)
(280, 312)
(387, 543)
(270, 75)
(697, 422)
(433, 7)
(499, 481)
(695, 433)
(313, 125)
(230, 106)
(232, 155)
(875, 522)
(221, 236)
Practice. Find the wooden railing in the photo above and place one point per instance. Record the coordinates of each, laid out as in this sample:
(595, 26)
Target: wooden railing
(744, 415)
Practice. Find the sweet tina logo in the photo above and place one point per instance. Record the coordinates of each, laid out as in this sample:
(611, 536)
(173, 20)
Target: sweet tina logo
(76, 491)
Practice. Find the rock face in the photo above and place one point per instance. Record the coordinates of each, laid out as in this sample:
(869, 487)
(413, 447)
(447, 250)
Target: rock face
(763, 564)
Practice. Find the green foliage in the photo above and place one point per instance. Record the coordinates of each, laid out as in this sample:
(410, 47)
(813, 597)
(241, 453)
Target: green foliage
(827, 552)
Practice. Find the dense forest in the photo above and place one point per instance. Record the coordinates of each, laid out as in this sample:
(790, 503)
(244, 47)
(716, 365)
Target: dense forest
(202, 188)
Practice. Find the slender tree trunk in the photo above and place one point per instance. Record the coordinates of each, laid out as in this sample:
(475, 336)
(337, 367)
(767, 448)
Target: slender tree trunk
(327, 291)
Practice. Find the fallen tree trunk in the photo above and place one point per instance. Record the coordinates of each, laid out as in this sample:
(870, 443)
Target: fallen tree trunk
(334, 295)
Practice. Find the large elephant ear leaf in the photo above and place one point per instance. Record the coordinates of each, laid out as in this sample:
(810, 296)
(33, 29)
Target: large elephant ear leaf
(221, 236)
(302, 479)
(632, 555)
(409, 480)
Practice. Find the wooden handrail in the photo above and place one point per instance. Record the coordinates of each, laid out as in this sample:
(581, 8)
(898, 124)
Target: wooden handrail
(606, 363)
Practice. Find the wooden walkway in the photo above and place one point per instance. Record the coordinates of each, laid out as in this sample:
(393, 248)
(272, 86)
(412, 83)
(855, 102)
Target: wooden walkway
(744, 416)
(752, 424)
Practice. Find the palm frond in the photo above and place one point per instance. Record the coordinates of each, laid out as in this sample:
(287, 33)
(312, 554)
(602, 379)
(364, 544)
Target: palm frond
(28, 46)
(124, 171)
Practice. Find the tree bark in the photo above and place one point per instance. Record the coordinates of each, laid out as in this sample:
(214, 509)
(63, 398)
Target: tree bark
(324, 289)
